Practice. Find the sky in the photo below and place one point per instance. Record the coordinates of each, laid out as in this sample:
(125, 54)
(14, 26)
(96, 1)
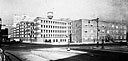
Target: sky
(105, 10)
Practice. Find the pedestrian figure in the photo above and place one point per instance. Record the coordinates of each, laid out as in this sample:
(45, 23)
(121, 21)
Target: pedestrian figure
(97, 44)
(102, 43)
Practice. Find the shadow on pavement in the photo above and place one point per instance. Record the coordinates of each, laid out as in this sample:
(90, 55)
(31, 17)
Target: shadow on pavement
(96, 57)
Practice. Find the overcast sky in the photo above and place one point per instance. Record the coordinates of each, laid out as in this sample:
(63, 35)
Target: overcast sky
(107, 10)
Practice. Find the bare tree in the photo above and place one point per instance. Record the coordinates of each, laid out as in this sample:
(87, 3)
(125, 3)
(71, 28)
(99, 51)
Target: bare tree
(109, 38)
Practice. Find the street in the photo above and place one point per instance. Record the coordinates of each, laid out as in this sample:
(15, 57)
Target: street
(38, 52)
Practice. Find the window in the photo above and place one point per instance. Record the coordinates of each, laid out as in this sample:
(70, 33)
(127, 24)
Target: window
(65, 31)
(41, 25)
(41, 31)
(49, 26)
(116, 26)
(103, 26)
(86, 25)
(56, 40)
(70, 27)
(51, 35)
(116, 31)
(44, 36)
(85, 31)
(44, 21)
(44, 30)
(125, 32)
(46, 26)
(76, 25)
(60, 40)
(56, 26)
(124, 37)
(124, 27)
(49, 31)
(121, 37)
(112, 25)
(41, 21)
(107, 31)
(91, 25)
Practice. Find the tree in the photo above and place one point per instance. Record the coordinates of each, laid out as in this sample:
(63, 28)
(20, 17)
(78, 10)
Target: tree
(36, 33)
(32, 29)
(36, 27)
(36, 19)
(109, 38)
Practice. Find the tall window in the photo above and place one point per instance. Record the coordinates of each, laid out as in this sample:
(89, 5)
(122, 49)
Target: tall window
(41, 21)
(41, 35)
(44, 21)
(116, 26)
(86, 31)
(41, 30)
(41, 25)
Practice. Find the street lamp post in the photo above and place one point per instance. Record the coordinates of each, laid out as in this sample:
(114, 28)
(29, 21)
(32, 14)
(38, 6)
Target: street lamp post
(97, 20)
(102, 43)
(68, 49)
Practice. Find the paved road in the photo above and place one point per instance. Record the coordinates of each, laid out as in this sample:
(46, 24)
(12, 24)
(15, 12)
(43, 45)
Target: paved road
(33, 52)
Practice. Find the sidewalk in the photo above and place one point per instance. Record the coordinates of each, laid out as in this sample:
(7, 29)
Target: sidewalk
(119, 49)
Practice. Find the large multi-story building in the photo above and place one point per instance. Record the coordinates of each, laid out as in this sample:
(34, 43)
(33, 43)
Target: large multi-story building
(85, 31)
(43, 30)
(54, 30)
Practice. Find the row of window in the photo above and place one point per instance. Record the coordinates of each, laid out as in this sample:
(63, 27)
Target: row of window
(45, 35)
(116, 31)
(53, 31)
(55, 40)
(103, 37)
(109, 31)
(113, 26)
(53, 35)
(50, 26)
(53, 22)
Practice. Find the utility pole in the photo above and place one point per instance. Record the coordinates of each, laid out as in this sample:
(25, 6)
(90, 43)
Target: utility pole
(0, 32)
(97, 20)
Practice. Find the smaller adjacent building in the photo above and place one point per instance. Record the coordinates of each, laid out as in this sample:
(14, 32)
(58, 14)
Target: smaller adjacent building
(4, 35)
(87, 31)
